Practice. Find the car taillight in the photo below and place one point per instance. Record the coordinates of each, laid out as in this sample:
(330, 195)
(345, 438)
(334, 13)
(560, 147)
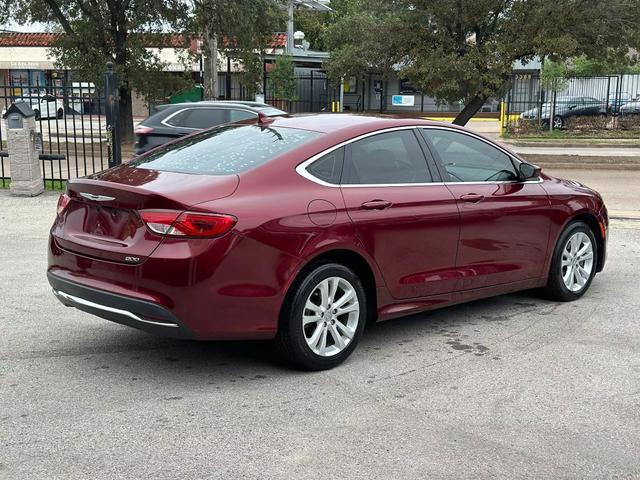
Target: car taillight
(142, 130)
(187, 224)
(63, 201)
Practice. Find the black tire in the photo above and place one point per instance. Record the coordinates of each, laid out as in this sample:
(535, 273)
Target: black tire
(37, 114)
(558, 121)
(291, 341)
(60, 113)
(556, 288)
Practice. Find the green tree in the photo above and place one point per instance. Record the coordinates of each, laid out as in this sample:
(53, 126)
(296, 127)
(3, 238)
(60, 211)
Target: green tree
(282, 79)
(109, 30)
(240, 28)
(604, 66)
(464, 50)
(553, 75)
(315, 24)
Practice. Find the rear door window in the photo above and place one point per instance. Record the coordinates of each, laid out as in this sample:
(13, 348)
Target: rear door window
(386, 158)
(226, 150)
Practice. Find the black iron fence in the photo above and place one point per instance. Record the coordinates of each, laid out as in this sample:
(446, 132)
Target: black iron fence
(71, 127)
(314, 93)
(77, 128)
(534, 102)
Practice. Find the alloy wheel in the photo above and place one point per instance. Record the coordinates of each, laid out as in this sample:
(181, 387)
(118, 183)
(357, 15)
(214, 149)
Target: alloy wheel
(330, 316)
(577, 262)
(557, 122)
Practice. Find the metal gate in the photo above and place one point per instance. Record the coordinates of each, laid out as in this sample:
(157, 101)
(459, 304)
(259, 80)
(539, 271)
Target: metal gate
(314, 93)
(75, 133)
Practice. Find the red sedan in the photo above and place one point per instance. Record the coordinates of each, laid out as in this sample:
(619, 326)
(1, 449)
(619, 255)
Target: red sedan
(304, 229)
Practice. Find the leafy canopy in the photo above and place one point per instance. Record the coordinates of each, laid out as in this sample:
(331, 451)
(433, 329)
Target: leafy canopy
(465, 49)
(243, 29)
(109, 30)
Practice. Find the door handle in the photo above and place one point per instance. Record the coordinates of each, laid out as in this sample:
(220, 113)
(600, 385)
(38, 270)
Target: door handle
(376, 204)
(472, 198)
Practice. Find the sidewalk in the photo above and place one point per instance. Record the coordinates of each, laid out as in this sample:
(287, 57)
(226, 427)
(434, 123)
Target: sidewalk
(572, 155)
(600, 151)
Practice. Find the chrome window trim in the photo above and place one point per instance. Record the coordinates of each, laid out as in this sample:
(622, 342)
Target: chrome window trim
(301, 168)
(471, 134)
(125, 313)
(164, 120)
(208, 107)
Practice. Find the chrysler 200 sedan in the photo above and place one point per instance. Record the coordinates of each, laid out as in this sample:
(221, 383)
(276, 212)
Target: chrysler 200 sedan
(304, 229)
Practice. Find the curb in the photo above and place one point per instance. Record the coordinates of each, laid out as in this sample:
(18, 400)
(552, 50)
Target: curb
(570, 145)
(626, 219)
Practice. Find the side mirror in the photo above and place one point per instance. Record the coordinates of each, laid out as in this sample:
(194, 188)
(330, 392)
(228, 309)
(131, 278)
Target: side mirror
(529, 171)
(571, 107)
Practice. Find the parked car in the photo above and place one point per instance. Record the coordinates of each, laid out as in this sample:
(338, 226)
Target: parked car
(630, 108)
(176, 120)
(45, 106)
(304, 229)
(566, 107)
(616, 101)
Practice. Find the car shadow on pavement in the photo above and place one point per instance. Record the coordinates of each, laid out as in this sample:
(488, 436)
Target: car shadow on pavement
(141, 355)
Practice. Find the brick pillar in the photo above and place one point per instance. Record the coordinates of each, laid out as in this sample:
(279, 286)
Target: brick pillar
(26, 174)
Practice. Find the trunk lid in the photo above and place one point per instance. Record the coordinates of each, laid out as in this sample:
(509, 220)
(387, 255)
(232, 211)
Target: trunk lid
(102, 219)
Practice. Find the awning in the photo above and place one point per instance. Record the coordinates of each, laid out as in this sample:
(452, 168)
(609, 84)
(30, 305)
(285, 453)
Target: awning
(25, 58)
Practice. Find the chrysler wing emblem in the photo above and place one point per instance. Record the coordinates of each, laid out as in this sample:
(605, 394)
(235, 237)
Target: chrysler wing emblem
(97, 198)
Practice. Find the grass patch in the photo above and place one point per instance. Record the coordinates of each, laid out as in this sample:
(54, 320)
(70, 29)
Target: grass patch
(52, 185)
(632, 137)
(55, 185)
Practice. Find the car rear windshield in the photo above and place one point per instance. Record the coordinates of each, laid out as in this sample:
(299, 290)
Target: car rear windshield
(225, 150)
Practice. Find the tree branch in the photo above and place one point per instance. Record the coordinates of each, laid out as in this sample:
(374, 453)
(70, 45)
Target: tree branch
(64, 23)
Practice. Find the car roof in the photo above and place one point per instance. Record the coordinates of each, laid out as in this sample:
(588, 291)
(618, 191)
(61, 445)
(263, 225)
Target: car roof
(219, 103)
(331, 122)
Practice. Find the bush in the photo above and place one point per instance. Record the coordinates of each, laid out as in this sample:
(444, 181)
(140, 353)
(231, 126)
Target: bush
(587, 125)
(601, 126)
(629, 123)
(526, 128)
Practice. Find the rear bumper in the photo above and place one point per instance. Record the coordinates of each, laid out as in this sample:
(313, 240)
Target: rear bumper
(136, 313)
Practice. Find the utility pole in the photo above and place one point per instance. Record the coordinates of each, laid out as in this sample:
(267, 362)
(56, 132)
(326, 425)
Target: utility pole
(210, 65)
(290, 28)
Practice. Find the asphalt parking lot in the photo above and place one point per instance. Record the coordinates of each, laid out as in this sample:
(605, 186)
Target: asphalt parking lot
(510, 387)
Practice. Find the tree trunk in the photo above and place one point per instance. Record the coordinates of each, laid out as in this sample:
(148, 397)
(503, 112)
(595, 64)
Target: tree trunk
(210, 65)
(470, 109)
(125, 105)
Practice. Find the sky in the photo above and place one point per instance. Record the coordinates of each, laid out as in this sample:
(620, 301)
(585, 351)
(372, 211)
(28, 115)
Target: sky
(32, 27)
